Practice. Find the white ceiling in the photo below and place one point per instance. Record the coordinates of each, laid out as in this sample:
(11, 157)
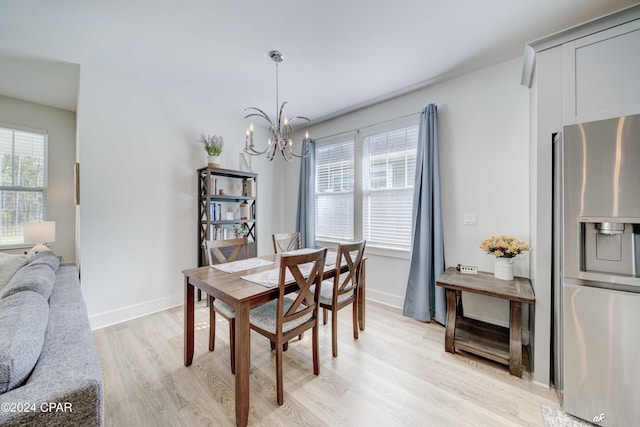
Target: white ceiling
(339, 54)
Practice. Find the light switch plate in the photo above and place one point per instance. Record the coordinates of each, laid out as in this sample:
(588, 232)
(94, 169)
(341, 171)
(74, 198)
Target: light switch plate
(470, 219)
(466, 269)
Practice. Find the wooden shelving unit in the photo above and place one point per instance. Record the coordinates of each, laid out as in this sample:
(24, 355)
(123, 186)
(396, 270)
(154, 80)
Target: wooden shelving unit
(235, 194)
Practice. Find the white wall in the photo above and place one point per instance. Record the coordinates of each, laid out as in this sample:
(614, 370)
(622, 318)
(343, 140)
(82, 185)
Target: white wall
(61, 127)
(139, 153)
(483, 125)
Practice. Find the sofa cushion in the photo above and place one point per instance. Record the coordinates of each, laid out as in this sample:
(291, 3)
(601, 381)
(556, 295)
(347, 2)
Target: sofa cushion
(45, 258)
(66, 288)
(9, 264)
(38, 278)
(23, 321)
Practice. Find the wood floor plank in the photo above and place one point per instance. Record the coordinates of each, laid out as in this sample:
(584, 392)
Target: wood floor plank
(397, 373)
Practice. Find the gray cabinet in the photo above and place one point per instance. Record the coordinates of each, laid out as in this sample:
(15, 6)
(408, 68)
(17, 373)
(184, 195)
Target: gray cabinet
(585, 73)
(601, 75)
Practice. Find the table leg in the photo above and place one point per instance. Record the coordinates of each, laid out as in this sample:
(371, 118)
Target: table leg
(188, 322)
(515, 338)
(459, 307)
(243, 357)
(450, 329)
(362, 295)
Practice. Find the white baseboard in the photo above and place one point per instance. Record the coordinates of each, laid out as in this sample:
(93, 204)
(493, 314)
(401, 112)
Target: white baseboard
(539, 384)
(385, 298)
(120, 315)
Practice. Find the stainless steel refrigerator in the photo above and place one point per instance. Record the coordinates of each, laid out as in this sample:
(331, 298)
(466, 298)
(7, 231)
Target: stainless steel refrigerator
(597, 271)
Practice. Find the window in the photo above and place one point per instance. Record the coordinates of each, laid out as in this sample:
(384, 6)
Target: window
(364, 187)
(23, 182)
(388, 172)
(334, 191)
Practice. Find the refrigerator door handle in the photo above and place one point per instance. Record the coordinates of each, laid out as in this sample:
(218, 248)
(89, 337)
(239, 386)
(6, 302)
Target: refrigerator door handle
(556, 259)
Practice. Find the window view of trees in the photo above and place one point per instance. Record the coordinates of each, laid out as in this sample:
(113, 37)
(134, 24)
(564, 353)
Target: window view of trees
(22, 182)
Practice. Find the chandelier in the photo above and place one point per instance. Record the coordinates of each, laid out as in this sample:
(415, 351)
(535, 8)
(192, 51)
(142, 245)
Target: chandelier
(281, 129)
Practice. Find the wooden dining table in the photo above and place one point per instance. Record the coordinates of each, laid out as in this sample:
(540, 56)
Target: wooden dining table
(243, 295)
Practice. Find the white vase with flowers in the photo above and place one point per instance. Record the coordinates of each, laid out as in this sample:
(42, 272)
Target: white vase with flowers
(505, 249)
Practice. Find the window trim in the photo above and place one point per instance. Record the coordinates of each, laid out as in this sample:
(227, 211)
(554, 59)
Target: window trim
(371, 249)
(390, 126)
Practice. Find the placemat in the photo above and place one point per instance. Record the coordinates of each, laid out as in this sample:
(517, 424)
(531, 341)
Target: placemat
(242, 265)
(270, 278)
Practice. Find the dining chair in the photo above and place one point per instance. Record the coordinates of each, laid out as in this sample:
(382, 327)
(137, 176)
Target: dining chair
(285, 317)
(342, 290)
(214, 250)
(285, 242)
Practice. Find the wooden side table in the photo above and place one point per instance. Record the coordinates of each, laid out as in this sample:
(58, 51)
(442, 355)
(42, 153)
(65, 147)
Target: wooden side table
(503, 345)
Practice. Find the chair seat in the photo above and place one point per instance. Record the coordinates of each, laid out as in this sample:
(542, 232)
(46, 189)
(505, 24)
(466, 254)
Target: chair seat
(326, 293)
(264, 316)
(224, 308)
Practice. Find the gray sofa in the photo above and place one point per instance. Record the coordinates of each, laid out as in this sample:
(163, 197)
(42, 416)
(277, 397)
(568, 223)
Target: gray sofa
(49, 370)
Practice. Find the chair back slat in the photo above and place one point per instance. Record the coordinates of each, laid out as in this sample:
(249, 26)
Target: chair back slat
(212, 249)
(285, 242)
(313, 263)
(348, 282)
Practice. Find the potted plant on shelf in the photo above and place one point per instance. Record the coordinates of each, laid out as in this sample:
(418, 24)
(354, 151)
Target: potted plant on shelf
(240, 230)
(504, 248)
(213, 146)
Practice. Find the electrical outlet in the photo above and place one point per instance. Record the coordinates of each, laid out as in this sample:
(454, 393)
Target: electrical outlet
(467, 269)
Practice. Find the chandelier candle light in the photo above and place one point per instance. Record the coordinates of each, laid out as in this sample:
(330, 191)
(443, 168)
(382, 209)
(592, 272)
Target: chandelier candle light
(281, 130)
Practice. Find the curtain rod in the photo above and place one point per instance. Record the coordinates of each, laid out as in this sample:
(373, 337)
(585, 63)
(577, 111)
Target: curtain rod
(357, 130)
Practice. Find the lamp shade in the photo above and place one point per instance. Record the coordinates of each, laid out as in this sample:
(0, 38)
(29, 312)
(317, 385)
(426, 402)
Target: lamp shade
(40, 232)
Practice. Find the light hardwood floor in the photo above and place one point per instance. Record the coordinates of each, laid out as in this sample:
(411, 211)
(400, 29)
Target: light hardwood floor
(396, 374)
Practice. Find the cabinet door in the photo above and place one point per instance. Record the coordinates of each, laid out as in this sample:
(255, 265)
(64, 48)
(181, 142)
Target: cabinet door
(601, 75)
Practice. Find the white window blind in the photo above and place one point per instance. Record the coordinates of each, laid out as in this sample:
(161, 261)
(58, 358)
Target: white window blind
(23, 182)
(389, 164)
(334, 191)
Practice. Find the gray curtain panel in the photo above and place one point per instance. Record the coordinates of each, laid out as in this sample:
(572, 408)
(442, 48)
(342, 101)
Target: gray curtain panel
(424, 300)
(305, 219)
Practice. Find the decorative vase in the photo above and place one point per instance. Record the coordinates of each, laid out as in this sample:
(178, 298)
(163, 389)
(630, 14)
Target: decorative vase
(503, 269)
(213, 161)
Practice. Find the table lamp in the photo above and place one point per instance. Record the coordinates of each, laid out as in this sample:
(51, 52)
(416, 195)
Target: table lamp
(41, 233)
